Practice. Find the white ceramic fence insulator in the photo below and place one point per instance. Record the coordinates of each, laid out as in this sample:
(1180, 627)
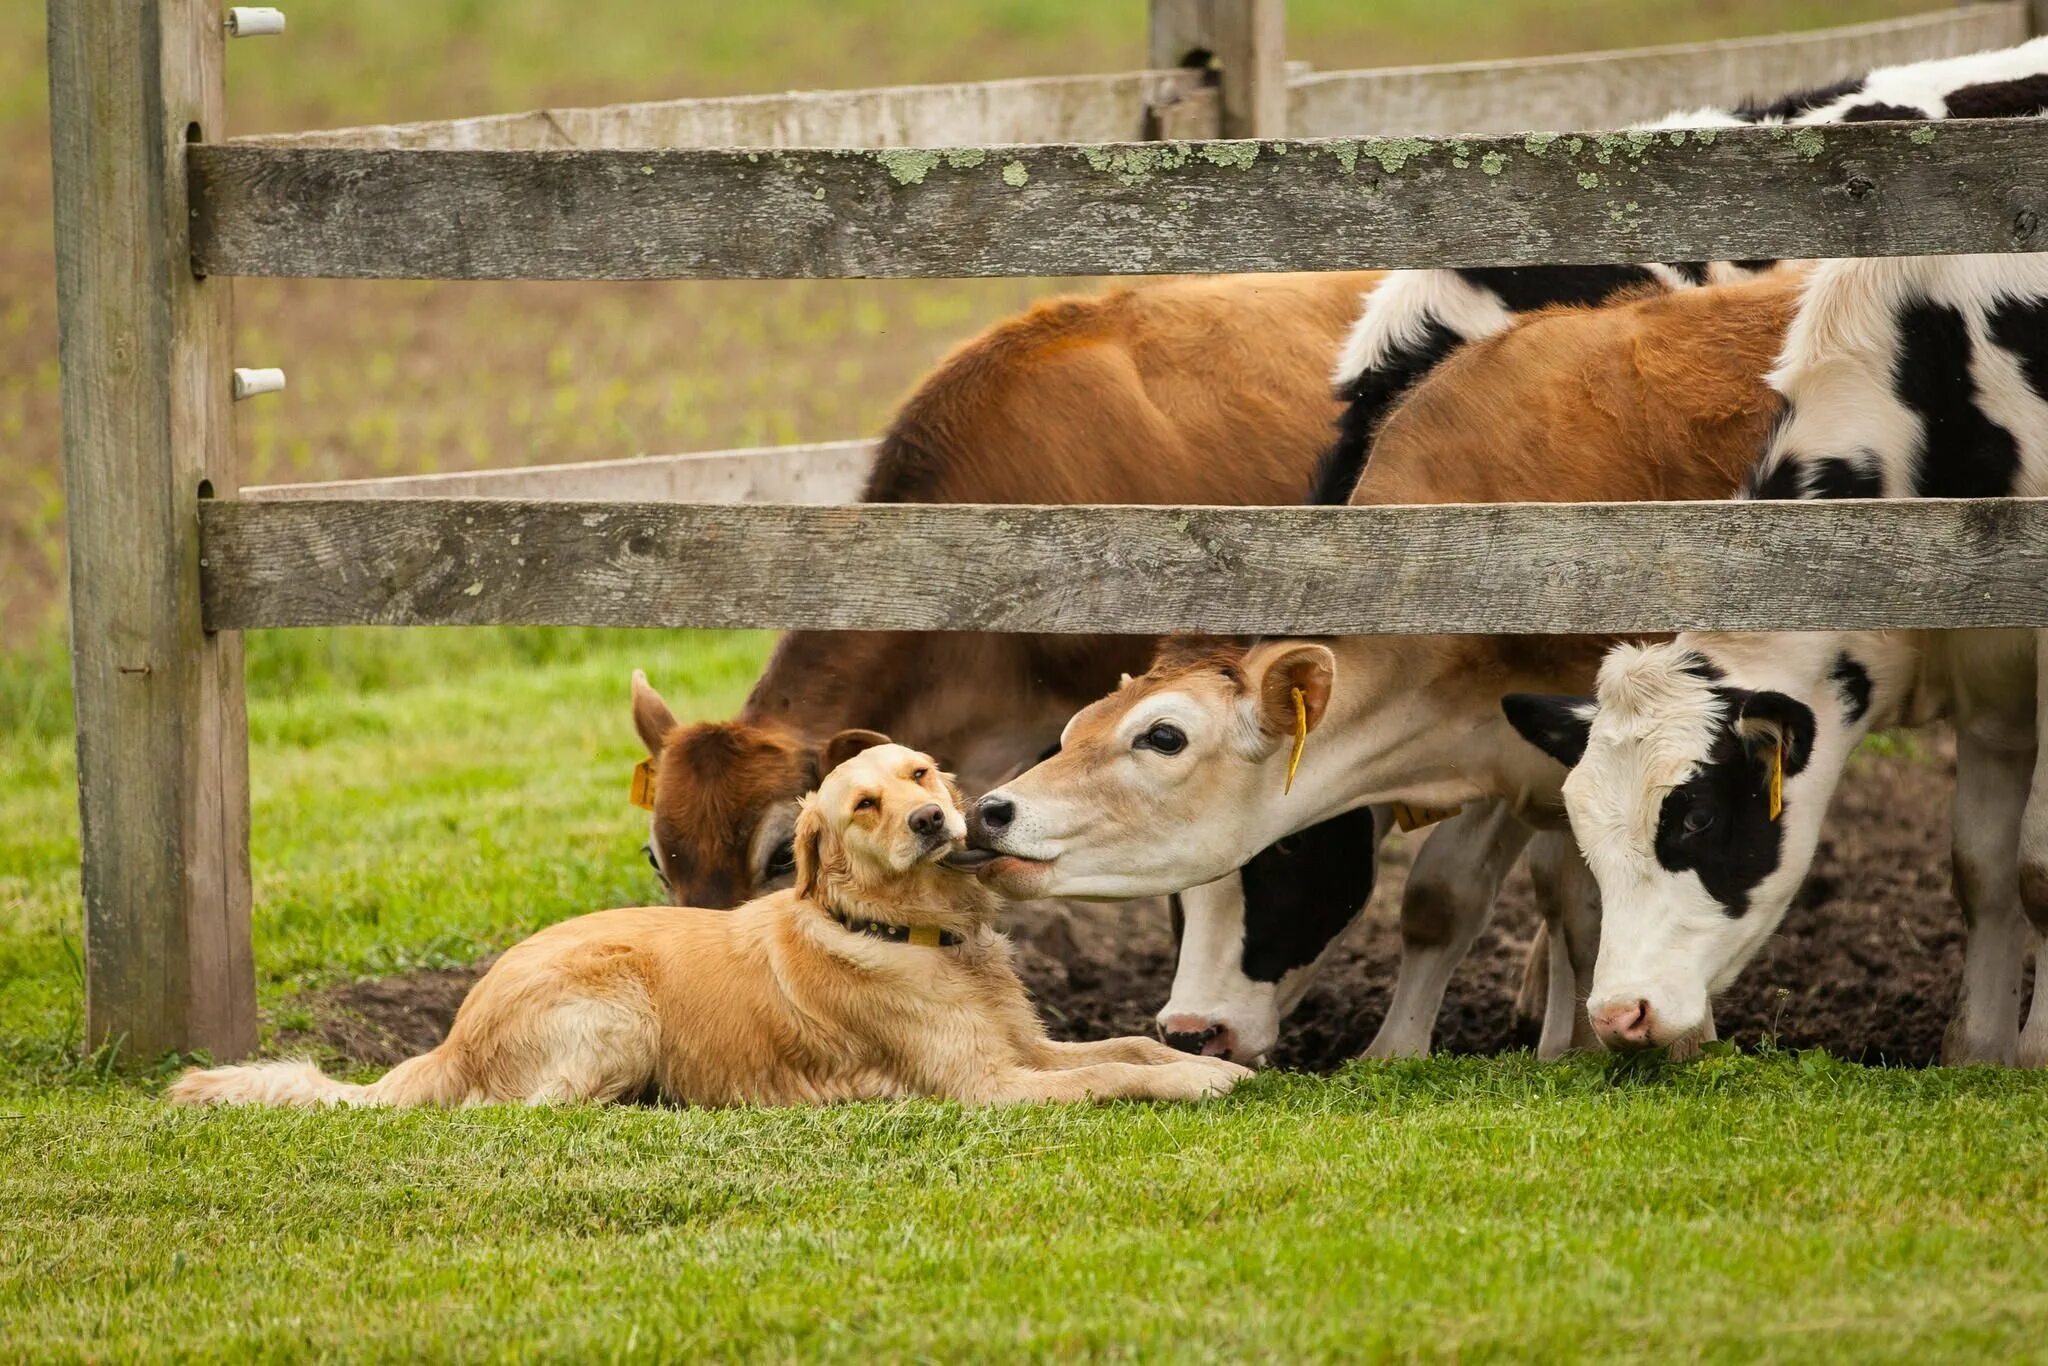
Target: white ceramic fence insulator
(249, 383)
(254, 21)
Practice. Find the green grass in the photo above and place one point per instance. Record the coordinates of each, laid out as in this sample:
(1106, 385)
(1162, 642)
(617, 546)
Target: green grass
(1739, 1209)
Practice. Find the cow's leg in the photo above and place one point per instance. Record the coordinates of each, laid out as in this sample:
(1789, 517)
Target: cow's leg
(1568, 899)
(1449, 900)
(2033, 866)
(1992, 784)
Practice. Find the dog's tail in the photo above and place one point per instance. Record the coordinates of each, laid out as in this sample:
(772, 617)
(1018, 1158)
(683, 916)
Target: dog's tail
(435, 1078)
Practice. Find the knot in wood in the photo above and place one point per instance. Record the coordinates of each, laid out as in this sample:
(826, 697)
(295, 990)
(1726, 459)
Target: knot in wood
(1861, 187)
(2024, 225)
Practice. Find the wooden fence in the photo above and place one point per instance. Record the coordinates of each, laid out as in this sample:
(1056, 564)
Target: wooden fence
(155, 208)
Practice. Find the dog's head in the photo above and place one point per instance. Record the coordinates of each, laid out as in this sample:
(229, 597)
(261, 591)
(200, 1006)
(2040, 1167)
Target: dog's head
(874, 838)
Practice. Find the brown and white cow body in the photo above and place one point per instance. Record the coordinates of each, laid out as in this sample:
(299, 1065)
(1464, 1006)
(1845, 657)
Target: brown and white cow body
(1178, 777)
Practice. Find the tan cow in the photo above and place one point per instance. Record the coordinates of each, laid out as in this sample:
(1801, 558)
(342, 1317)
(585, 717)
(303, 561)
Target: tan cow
(1177, 777)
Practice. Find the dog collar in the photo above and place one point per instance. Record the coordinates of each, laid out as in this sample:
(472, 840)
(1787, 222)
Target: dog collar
(926, 936)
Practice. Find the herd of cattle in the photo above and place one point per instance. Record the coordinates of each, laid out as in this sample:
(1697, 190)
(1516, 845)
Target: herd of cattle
(1670, 794)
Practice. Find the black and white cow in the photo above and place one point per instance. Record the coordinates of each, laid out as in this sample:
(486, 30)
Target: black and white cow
(1702, 770)
(1248, 952)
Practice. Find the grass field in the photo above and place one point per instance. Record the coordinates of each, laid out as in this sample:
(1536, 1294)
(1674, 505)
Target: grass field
(423, 798)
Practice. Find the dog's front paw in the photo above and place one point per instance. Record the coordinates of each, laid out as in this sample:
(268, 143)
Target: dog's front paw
(1211, 1076)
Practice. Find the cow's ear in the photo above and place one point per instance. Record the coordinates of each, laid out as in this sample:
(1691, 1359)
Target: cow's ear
(1282, 673)
(1768, 720)
(651, 716)
(1555, 723)
(845, 745)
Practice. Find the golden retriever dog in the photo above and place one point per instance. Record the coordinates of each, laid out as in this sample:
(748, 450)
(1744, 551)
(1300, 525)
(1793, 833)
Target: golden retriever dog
(878, 976)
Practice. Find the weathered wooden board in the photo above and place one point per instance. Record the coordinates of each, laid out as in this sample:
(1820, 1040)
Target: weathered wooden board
(1503, 568)
(1614, 89)
(828, 472)
(1124, 107)
(1873, 189)
(162, 739)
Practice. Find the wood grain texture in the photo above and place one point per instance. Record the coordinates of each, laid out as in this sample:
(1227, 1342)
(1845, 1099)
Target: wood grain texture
(1505, 568)
(162, 738)
(1614, 89)
(827, 472)
(1110, 108)
(1868, 189)
(1241, 43)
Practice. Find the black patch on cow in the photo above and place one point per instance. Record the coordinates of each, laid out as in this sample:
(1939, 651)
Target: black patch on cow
(1801, 102)
(1836, 477)
(1757, 265)
(1852, 680)
(2021, 98)
(1717, 823)
(1369, 399)
(1880, 113)
(1523, 288)
(1700, 667)
(1963, 453)
(1785, 481)
(1300, 893)
(1555, 723)
(1177, 916)
(1692, 272)
(2021, 327)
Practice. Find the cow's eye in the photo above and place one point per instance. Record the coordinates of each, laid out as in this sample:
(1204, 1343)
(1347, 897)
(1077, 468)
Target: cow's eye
(783, 860)
(1698, 820)
(1164, 737)
(654, 862)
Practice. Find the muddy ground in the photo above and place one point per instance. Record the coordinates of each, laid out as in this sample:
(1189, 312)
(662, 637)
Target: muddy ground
(1866, 965)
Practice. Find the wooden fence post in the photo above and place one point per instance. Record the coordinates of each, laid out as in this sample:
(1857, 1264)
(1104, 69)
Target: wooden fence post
(1246, 41)
(162, 732)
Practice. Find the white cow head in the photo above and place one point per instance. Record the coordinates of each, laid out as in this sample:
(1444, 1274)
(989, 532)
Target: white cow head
(1701, 773)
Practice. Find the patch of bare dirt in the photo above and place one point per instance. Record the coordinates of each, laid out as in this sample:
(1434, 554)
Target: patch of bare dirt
(1865, 966)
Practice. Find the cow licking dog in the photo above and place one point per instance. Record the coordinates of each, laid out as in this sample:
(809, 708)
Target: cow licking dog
(1702, 769)
(1208, 391)
(1183, 773)
(878, 976)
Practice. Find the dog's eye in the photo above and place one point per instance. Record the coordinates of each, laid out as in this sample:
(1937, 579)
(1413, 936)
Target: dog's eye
(783, 860)
(917, 774)
(864, 804)
(1164, 737)
(654, 862)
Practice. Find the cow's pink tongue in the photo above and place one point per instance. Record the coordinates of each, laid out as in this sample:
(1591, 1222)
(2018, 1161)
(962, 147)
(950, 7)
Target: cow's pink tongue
(968, 860)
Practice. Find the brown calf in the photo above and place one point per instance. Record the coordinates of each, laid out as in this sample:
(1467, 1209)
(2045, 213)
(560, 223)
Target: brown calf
(1194, 391)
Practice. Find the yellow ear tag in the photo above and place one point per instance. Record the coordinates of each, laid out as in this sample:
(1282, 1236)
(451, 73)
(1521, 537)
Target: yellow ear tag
(1417, 817)
(926, 936)
(1777, 777)
(1300, 739)
(642, 792)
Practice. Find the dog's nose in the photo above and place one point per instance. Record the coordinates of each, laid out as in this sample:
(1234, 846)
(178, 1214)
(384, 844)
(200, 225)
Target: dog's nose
(928, 820)
(996, 812)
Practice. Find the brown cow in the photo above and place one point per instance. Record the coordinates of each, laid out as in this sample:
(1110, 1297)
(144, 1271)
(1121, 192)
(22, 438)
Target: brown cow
(1188, 391)
(1660, 398)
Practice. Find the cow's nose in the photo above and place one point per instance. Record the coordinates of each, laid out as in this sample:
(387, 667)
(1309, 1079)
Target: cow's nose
(1624, 1024)
(996, 812)
(928, 820)
(1215, 1040)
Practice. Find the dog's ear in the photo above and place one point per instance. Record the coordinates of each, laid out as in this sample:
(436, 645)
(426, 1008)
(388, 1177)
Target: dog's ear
(651, 716)
(808, 845)
(845, 745)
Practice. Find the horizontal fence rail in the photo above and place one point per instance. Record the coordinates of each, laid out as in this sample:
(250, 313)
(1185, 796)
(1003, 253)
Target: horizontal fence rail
(825, 472)
(1511, 568)
(1877, 189)
(1613, 89)
(1123, 107)
(1576, 90)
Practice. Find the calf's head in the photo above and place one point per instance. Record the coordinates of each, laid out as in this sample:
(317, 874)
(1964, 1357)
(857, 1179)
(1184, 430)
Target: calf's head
(1700, 776)
(724, 796)
(1158, 786)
